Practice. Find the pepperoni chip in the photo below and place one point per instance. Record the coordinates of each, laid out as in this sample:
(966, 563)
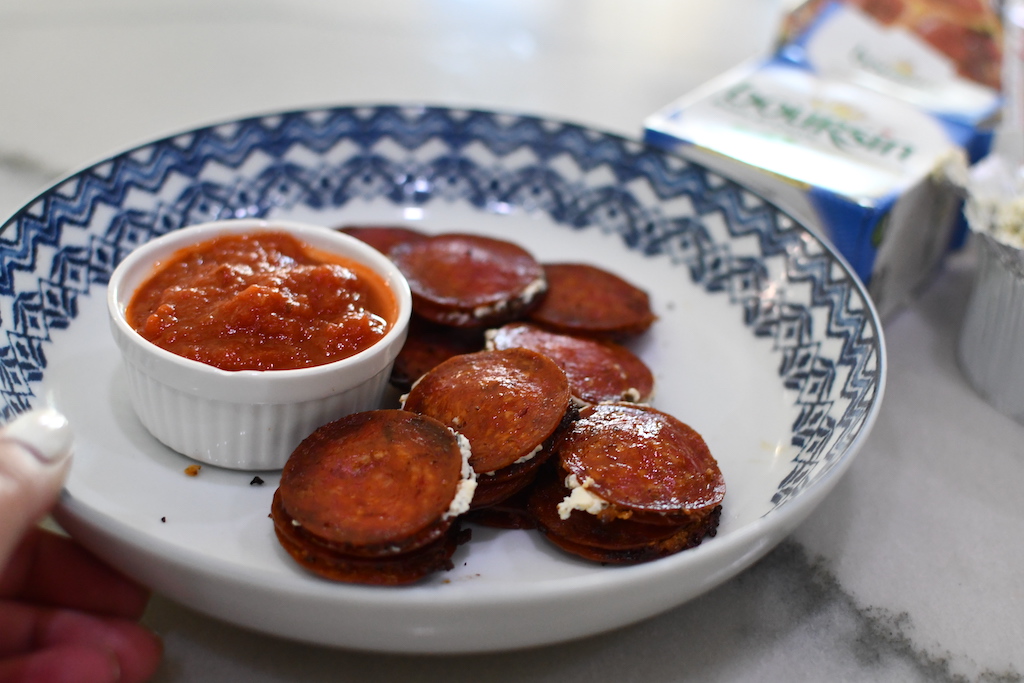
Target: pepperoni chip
(651, 487)
(371, 498)
(383, 237)
(469, 280)
(506, 403)
(643, 462)
(591, 301)
(428, 345)
(616, 541)
(598, 371)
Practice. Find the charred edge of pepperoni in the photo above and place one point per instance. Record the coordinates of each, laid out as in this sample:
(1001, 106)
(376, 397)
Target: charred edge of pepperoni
(464, 280)
(510, 513)
(588, 300)
(383, 238)
(393, 570)
(455, 393)
(428, 345)
(682, 479)
(617, 541)
(599, 370)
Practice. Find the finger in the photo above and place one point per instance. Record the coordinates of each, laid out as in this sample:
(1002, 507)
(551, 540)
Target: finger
(62, 664)
(26, 630)
(35, 451)
(49, 569)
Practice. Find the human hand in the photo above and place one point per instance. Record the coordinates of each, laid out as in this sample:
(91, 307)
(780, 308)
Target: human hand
(64, 615)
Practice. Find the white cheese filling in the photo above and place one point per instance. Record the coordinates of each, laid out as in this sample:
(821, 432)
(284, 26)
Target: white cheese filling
(529, 293)
(580, 498)
(531, 455)
(467, 487)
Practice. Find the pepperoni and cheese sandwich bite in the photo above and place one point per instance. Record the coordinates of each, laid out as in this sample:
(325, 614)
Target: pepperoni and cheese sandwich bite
(374, 498)
(469, 280)
(599, 371)
(638, 485)
(508, 404)
(587, 300)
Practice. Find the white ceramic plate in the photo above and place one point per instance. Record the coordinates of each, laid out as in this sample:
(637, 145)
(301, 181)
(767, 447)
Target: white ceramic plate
(765, 343)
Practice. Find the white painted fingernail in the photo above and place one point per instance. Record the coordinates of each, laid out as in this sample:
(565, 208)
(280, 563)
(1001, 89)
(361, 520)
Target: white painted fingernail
(44, 432)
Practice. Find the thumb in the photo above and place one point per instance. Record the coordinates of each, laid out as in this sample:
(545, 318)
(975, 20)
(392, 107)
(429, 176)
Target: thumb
(35, 453)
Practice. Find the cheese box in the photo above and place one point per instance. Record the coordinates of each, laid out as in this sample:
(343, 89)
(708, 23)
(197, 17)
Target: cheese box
(869, 172)
(944, 58)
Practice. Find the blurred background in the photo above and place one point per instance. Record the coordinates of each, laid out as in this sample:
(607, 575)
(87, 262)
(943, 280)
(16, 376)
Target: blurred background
(908, 572)
(80, 80)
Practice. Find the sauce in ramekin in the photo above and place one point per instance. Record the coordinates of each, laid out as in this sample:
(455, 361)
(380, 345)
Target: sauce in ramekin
(262, 301)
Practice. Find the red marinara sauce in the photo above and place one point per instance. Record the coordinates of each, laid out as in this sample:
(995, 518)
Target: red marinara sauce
(262, 301)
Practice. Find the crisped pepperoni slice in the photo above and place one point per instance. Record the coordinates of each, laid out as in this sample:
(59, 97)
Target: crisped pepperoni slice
(598, 371)
(383, 237)
(373, 483)
(469, 280)
(507, 403)
(428, 345)
(587, 300)
(641, 460)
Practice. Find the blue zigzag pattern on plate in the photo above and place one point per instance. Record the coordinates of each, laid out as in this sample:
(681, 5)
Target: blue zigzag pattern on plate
(176, 174)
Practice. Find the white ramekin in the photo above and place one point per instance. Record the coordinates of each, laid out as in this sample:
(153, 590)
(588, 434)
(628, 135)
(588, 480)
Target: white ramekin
(248, 419)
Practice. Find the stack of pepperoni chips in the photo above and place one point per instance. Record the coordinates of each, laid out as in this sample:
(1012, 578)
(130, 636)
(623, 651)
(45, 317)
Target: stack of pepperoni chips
(375, 498)
(528, 362)
(469, 281)
(508, 403)
(632, 484)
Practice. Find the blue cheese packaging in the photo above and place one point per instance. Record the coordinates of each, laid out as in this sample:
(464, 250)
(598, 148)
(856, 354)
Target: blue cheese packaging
(870, 172)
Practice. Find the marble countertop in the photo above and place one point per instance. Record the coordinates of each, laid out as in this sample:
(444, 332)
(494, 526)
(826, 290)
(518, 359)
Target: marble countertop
(909, 571)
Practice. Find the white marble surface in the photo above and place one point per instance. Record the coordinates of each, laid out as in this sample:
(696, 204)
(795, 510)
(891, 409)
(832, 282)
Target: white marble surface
(910, 571)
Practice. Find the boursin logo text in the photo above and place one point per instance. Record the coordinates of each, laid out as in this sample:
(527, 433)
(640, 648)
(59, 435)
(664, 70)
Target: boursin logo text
(901, 71)
(839, 124)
